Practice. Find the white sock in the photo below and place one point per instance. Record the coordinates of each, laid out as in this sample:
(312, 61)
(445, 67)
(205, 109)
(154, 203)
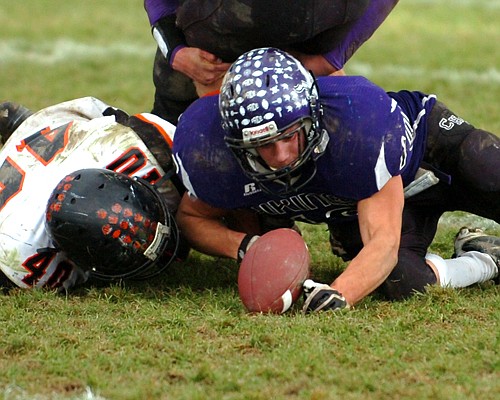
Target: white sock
(471, 267)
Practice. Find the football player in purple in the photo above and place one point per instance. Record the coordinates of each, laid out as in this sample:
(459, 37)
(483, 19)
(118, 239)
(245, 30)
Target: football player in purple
(198, 39)
(379, 168)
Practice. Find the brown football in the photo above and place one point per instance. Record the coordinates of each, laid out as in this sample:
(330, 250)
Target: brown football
(273, 270)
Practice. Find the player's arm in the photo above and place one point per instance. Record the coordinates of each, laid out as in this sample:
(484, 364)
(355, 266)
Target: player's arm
(199, 65)
(205, 228)
(332, 63)
(318, 64)
(380, 219)
(375, 14)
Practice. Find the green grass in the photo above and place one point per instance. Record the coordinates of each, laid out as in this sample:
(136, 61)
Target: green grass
(186, 335)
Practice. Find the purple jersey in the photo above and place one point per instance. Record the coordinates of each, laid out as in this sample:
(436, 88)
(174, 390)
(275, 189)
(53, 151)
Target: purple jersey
(373, 136)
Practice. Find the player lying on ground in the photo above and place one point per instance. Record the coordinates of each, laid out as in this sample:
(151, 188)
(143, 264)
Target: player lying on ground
(378, 168)
(86, 191)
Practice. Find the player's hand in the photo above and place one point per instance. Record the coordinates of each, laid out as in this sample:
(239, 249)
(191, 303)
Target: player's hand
(75, 278)
(321, 297)
(200, 65)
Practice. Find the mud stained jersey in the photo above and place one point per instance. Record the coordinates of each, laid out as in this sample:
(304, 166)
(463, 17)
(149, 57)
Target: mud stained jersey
(47, 146)
(373, 136)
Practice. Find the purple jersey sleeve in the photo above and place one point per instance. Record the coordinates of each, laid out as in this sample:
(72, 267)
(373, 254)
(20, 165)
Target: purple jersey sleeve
(206, 166)
(157, 9)
(362, 30)
(416, 107)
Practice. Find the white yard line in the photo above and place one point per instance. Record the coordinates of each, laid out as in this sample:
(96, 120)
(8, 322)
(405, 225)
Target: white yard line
(486, 4)
(489, 76)
(66, 50)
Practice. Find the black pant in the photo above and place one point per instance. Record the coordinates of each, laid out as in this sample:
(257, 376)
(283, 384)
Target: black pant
(471, 158)
(174, 90)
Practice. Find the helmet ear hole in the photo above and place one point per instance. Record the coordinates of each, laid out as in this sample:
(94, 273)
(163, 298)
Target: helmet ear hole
(72, 201)
(101, 186)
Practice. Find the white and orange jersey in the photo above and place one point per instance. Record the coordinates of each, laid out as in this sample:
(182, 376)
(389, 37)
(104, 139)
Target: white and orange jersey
(46, 147)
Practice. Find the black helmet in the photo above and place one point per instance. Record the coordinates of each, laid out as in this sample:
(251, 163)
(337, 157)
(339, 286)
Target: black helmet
(111, 224)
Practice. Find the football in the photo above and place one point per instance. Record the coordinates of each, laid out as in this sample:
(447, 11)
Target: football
(272, 272)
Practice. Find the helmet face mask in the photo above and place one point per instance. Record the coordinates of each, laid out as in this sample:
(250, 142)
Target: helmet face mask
(112, 225)
(251, 161)
(265, 93)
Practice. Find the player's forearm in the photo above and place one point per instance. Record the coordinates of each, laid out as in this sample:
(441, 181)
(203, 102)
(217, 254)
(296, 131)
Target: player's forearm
(380, 219)
(210, 236)
(368, 270)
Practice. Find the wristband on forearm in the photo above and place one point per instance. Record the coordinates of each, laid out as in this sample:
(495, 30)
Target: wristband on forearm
(168, 36)
(245, 244)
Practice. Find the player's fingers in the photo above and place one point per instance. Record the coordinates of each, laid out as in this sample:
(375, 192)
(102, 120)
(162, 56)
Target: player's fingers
(212, 58)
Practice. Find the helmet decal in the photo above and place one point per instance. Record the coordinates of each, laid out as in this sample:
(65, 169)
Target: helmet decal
(262, 93)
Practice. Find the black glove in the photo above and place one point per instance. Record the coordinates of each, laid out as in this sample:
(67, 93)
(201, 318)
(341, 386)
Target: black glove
(245, 244)
(321, 297)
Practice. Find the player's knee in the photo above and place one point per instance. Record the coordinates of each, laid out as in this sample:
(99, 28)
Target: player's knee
(480, 160)
(410, 275)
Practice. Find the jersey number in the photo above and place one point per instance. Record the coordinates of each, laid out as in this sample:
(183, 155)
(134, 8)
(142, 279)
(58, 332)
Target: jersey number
(45, 145)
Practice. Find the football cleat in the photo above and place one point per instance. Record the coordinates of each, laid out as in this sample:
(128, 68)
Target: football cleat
(474, 239)
(11, 116)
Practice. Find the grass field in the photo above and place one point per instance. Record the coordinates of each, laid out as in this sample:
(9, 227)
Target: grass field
(186, 335)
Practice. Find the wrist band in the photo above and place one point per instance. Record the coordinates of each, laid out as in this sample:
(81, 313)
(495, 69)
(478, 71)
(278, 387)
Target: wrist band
(244, 245)
(168, 36)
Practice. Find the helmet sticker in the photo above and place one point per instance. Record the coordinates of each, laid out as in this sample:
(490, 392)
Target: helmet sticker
(264, 131)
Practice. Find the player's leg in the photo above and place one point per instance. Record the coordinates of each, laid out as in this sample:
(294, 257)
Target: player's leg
(174, 90)
(345, 239)
(411, 274)
(11, 116)
(477, 262)
(416, 268)
(469, 241)
(471, 157)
